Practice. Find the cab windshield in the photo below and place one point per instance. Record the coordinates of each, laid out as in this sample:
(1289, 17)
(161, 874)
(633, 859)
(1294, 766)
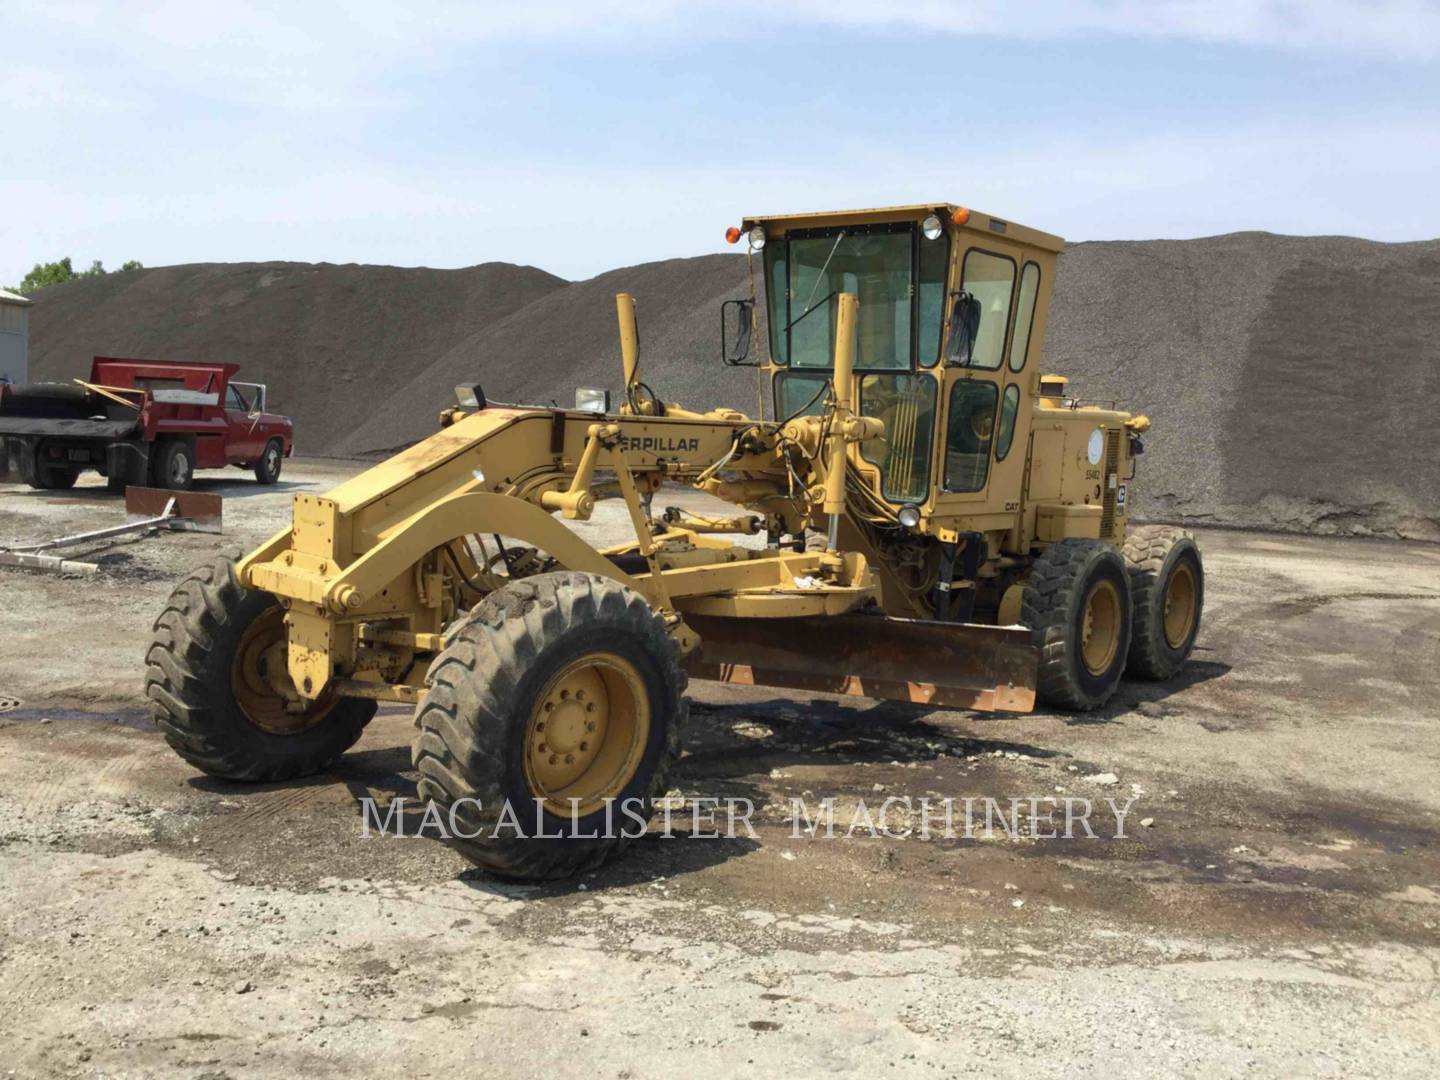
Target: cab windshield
(879, 264)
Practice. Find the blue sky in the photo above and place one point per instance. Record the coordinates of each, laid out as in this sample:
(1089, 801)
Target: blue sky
(583, 136)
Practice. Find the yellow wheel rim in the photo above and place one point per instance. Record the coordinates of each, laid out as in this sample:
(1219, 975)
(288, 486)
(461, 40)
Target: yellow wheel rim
(586, 734)
(1179, 612)
(1100, 627)
(260, 680)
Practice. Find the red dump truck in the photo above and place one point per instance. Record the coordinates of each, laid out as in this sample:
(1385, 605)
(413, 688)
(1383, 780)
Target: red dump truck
(143, 422)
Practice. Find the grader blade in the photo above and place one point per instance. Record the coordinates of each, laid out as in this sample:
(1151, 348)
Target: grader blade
(957, 665)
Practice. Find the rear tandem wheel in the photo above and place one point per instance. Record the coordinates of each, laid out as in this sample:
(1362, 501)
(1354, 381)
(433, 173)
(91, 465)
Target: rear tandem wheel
(1077, 605)
(1167, 582)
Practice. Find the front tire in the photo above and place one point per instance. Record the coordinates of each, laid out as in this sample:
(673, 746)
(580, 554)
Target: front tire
(211, 676)
(1167, 584)
(1077, 605)
(267, 469)
(560, 686)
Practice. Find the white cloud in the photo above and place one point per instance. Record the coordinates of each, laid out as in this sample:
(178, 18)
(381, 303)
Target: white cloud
(103, 169)
(1401, 28)
(324, 55)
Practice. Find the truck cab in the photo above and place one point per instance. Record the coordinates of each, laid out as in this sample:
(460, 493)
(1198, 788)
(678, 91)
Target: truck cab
(257, 439)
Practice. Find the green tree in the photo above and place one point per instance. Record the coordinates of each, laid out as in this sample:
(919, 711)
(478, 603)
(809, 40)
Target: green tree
(47, 274)
(53, 273)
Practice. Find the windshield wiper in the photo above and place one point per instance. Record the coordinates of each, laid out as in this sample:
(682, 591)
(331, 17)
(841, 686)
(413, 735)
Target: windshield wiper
(818, 307)
(819, 278)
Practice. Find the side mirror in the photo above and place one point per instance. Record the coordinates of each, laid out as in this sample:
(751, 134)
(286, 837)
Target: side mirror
(964, 328)
(742, 312)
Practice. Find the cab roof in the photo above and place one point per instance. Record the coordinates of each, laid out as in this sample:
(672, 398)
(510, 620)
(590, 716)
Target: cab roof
(979, 222)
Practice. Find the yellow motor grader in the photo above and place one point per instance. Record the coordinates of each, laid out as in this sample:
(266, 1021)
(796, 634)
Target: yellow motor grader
(924, 517)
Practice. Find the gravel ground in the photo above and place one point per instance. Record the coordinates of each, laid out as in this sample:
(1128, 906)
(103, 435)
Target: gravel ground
(1279, 914)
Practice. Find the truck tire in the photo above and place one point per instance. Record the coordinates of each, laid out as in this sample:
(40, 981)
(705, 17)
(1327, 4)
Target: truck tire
(561, 686)
(1167, 590)
(267, 469)
(53, 477)
(206, 679)
(1077, 604)
(174, 466)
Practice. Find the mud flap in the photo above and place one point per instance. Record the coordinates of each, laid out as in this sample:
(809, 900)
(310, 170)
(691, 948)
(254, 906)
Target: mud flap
(956, 665)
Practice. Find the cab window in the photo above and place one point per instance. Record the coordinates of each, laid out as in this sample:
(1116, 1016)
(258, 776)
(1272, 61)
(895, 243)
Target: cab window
(930, 297)
(800, 393)
(907, 405)
(1024, 315)
(234, 402)
(990, 279)
(967, 441)
(1009, 407)
(775, 301)
(876, 267)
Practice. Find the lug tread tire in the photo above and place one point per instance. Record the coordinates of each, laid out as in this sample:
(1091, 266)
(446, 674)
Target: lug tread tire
(1055, 587)
(1150, 552)
(187, 680)
(472, 718)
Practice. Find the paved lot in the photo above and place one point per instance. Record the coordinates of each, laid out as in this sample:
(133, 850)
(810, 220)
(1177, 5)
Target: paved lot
(1280, 914)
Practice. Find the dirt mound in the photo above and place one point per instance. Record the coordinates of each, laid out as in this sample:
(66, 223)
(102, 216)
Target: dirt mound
(568, 338)
(1291, 379)
(332, 342)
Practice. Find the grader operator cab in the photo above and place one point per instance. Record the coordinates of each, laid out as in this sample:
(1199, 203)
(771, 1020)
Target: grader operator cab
(941, 524)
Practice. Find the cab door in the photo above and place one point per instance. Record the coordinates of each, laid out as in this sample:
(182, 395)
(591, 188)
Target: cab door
(974, 392)
(243, 440)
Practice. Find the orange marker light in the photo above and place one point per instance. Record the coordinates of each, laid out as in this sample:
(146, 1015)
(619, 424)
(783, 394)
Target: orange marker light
(960, 216)
(732, 235)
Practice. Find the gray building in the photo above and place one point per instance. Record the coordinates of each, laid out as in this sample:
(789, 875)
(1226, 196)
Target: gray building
(14, 337)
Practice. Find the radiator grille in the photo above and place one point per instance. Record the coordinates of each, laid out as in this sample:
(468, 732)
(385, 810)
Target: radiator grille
(1111, 479)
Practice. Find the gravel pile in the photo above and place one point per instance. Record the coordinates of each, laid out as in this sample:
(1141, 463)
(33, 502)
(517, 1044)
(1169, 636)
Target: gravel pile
(569, 338)
(333, 343)
(1290, 379)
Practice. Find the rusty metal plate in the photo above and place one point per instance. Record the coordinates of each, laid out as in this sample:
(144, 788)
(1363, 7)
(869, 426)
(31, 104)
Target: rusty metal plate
(957, 665)
(200, 510)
